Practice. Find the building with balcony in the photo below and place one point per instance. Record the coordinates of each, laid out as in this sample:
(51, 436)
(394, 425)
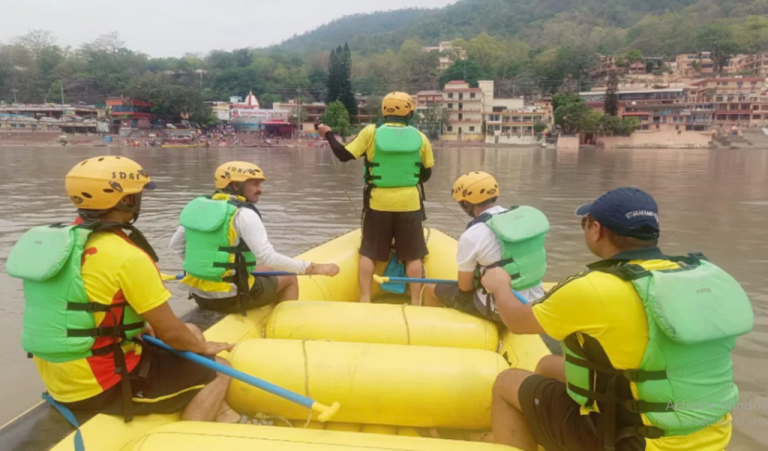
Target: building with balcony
(677, 117)
(448, 54)
(466, 107)
(426, 99)
(637, 97)
(127, 114)
(733, 99)
(314, 112)
(693, 65)
(514, 126)
(755, 64)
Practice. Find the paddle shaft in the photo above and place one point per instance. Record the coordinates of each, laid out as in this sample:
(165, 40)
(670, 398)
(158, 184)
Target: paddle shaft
(262, 273)
(231, 372)
(519, 296)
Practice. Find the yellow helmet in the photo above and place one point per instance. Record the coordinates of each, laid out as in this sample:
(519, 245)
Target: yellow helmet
(397, 104)
(99, 183)
(475, 187)
(237, 171)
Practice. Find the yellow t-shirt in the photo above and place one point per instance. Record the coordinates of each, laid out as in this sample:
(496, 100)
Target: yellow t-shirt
(609, 310)
(390, 199)
(114, 270)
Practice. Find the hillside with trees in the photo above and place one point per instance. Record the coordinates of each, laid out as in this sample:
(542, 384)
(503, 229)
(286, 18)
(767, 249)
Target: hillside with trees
(529, 47)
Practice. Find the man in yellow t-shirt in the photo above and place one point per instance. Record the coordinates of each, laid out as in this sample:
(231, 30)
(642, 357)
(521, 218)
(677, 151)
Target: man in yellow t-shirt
(601, 318)
(398, 158)
(114, 372)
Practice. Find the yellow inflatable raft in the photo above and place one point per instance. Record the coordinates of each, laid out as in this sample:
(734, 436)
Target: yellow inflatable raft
(399, 372)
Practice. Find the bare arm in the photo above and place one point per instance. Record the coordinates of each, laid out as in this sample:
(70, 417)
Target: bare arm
(168, 328)
(518, 317)
(466, 281)
(178, 242)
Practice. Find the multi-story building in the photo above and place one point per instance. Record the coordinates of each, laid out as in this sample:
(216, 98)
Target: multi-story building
(678, 117)
(692, 65)
(612, 63)
(755, 64)
(760, 111)
(732, 97)
(466, 106)
(314, 112)
(659, 109)
(514, 126)
(427, 99)
(635, 97)
(448, 54)
(127, 114)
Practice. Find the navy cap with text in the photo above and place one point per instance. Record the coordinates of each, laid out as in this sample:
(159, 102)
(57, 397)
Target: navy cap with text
(626, 212)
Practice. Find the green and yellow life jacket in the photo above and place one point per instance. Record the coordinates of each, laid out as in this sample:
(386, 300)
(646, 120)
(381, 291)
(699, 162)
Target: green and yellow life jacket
(211, 253)
(59, 323)
(521, 230)
(685, 380)
(396, 159)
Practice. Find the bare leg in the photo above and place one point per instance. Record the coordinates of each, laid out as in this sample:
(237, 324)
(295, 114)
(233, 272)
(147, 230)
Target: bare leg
(287, 288)
(365, 278)
(208, 403)
(552, 366)
(509, 424)
(430, 299)
(415, 270)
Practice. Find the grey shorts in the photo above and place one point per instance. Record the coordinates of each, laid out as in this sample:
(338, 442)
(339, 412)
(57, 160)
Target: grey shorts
(263, 292)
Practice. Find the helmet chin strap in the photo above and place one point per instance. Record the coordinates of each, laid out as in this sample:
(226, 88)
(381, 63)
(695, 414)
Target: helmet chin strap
(230, 189)
(135, 208)
(468, 208)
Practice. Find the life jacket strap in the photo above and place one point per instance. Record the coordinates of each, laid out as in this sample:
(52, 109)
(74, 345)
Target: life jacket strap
(634, 375)
(93, 306)
(110, 331)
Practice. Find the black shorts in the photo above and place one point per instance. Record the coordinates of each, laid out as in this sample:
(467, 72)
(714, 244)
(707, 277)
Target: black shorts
(263, 292)
(464, 301)
(169, 385)
(556, 422)
(380, 227)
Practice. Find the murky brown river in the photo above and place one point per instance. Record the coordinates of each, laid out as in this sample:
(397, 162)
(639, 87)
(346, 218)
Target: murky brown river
(714, 201)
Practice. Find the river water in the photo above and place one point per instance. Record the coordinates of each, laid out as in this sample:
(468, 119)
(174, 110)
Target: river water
(714, 201)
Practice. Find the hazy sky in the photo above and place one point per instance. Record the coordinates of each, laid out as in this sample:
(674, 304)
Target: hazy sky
(172, 27)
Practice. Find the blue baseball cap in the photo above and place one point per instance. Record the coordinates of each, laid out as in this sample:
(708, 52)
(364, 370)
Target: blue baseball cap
(626, 212)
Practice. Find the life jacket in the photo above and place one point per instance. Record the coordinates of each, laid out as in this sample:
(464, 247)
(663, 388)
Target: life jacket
(59, 323)
(397, 157)
(521, 230)
(685, 380)
(211, 253)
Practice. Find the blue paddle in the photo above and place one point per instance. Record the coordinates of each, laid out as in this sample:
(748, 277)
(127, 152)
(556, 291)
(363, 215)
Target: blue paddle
(326, 412)
(378, 279)
(255, 273)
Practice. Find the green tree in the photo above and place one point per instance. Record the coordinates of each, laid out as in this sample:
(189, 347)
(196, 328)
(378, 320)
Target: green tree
(611, 103)
(574, 118)
(347, 96)
(718, 39)
(466, 70)
(561, 99)
(539, 128)
(337, 117)
(432, 121)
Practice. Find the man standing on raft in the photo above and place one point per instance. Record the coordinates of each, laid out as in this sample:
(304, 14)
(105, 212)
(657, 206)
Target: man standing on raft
(398, 158)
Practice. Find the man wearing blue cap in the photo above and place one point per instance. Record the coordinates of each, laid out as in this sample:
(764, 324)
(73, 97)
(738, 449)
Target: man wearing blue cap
(647, 341)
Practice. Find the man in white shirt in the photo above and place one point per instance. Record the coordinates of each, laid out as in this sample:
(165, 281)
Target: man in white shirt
(222, 239)
(491, 239)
